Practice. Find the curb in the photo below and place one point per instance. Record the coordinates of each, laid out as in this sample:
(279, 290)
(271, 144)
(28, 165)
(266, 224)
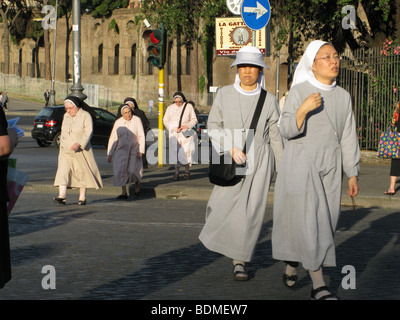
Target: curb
(203, 194)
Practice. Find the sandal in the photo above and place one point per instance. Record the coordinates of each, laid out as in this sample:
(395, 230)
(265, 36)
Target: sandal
(136, 194)
(122, 197)
(176, 177)
(389, 193)
(293, 278)
(186, 176)
(60, 200)
(328, 296)
(82, 202)
(240, 273)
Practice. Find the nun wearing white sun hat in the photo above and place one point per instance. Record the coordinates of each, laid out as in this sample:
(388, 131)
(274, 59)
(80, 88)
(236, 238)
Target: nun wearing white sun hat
(318, 123)
(234, 214)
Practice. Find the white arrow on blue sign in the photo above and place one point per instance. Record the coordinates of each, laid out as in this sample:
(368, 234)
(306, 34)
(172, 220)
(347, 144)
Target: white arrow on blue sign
(256, 13)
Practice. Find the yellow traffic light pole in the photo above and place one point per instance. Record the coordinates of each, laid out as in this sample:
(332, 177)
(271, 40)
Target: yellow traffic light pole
(160, 117)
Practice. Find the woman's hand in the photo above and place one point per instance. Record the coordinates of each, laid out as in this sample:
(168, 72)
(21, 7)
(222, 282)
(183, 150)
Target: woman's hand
(353, 187)
(312, 102)
(109, 158)
(76, 146)
(139, 155)
(238, 155)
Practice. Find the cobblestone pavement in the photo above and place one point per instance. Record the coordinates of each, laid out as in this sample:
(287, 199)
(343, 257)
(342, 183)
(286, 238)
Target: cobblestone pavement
(148, 249)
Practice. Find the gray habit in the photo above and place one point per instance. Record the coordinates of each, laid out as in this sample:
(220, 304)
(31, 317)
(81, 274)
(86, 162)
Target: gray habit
(307, 191)
(234, 215)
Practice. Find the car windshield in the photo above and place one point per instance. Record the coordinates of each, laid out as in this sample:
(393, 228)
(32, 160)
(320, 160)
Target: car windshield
(104, 115)
(203, 119)
(45, 112)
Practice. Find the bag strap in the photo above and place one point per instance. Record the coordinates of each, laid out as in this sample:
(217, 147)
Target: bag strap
(180, 120)
(257, 113)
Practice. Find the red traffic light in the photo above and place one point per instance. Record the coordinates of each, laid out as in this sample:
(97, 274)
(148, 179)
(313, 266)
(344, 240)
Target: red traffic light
(154, 36)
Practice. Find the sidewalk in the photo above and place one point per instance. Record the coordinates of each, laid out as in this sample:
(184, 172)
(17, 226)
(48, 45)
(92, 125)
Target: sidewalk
(158, 182)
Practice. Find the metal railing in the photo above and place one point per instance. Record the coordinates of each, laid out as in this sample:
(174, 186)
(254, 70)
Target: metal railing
(35, 87)
(372, 77)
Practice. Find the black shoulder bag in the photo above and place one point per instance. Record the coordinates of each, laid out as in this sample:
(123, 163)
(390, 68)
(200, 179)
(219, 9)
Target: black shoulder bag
(224, 174)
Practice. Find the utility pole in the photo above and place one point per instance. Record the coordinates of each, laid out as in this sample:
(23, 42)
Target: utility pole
(76, 88)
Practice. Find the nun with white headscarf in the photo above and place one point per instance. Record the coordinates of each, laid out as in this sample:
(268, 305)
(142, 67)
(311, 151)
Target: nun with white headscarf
(318, 123)
(234, 214)
(179, 120)
(126, 147)
(77, 167)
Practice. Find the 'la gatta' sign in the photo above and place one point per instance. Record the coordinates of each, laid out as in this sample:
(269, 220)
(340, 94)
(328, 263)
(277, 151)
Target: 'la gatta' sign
(232, 34)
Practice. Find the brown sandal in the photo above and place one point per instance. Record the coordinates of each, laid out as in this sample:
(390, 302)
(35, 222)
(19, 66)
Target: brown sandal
(186, 176)
(176, 177)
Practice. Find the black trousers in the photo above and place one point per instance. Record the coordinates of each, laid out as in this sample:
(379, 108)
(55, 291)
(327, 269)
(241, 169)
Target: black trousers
(5, 259)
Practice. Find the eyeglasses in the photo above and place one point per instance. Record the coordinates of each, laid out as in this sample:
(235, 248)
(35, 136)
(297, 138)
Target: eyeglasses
(328, 58)
(178, 102)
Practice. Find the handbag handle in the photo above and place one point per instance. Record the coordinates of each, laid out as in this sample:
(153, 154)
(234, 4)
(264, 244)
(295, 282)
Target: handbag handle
(257, 113)
(180, 120)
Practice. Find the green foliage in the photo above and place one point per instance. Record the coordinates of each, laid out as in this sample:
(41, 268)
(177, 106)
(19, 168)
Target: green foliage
(103, 8)
(191, 19)
(114, 26)
(202, 85)
(34, 30)
(310, 19)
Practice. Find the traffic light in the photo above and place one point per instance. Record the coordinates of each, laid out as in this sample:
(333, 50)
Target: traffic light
(156, 48)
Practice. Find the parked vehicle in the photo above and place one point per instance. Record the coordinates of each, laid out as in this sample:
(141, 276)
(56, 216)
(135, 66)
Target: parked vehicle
(47, 126)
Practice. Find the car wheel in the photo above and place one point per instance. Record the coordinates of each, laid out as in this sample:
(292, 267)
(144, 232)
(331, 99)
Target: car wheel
(43, 143)
(56, 140)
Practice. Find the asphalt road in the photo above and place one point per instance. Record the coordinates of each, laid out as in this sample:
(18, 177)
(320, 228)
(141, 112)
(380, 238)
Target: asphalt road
(148, 250)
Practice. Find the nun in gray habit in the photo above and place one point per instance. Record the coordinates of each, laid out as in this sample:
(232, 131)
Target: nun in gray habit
(234, 214)
(318, 123)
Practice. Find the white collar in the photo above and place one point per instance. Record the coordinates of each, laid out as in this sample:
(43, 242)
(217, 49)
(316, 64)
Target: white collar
(260, 84)
(320, 85)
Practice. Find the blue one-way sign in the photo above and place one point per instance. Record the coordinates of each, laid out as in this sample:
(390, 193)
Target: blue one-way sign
(256, 13)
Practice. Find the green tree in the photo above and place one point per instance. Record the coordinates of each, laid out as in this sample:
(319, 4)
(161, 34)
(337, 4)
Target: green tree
(324, 20)
(190, 22)
(103, 8)
(10, 12)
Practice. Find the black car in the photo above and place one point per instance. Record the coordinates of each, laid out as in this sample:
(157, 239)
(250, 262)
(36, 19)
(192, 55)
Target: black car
(47, 126)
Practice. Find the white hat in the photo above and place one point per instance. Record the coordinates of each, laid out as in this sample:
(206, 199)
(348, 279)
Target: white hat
(250, 55)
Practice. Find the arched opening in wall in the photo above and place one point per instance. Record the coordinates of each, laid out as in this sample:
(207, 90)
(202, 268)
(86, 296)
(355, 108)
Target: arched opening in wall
(19, 64)
(100, 58)
(35, 70)
(133, 60)
(116, 59)
(188, 50)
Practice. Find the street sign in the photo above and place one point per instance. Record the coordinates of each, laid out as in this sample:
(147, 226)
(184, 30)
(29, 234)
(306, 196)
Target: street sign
(256, 13)
(232, 34)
